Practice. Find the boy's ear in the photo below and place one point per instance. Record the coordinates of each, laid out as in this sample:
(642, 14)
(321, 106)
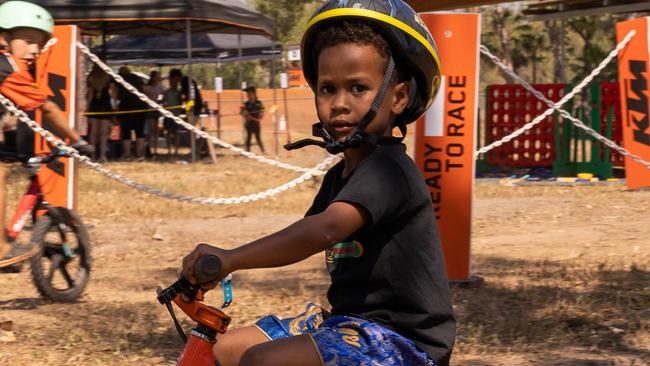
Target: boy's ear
(400, 97)
(4, 40)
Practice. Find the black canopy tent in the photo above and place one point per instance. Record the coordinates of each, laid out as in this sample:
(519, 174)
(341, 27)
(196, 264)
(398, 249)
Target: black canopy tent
(99, 17)
(104, 17)
(170, 49)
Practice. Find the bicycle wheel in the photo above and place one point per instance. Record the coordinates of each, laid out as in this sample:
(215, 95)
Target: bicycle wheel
(61, 270)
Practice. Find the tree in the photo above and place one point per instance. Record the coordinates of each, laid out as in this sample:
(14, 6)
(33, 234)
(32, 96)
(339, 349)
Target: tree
(286, 14)
(498, 37)
(558, 39)
(598, 38)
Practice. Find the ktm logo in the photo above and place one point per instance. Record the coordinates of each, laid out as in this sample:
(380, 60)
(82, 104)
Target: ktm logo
(637, 102)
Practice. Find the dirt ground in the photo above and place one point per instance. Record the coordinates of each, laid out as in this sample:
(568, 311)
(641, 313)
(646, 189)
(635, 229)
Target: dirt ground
(566, 268)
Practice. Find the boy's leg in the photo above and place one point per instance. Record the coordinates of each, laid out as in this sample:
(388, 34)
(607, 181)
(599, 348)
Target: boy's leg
(231, 346)
(258, 137)
(292, 351)
(249, 134)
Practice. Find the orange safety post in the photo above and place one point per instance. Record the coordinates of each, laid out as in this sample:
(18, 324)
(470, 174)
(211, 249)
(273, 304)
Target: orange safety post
(56, 73)
(445, 136)
(633, 73)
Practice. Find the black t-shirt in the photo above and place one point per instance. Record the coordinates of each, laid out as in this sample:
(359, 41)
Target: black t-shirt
(100, 102)
(254, 108)
(128, 100)
(392, 271)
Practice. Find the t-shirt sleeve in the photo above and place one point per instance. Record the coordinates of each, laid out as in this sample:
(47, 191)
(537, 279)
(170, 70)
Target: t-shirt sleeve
(20, 88)
(380, 186)
(320, 201)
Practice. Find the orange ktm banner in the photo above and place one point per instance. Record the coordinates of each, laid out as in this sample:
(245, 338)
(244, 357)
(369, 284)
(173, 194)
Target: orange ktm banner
(444, 140)
(56, 73)
(633, 74)
(296, 78)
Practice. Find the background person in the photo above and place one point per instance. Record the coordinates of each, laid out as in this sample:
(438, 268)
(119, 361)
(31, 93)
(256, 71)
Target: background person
(131, 122)
(172, 99)
(253, 112)
(99, 101)
(154, 90)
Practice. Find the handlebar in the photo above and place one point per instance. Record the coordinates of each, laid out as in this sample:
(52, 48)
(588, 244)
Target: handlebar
(207, 268)
(189, 297)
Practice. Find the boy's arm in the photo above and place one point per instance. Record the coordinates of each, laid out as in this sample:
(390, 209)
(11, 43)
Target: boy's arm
(54, 115)
(301, 240)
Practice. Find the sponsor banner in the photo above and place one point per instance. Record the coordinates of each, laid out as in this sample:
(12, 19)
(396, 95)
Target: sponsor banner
(445, 136)
(56, 73)
(633, 73)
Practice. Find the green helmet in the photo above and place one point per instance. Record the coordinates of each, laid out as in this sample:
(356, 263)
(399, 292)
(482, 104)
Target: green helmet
(21, 14)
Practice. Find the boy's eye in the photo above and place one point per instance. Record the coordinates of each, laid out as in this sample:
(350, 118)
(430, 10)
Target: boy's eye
(358, 88)
(327, 89)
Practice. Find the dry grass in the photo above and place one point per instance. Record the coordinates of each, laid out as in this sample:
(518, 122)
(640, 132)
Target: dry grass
(566, 269)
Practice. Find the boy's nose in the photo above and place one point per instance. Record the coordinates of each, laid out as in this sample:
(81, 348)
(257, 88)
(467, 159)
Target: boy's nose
(340, 103)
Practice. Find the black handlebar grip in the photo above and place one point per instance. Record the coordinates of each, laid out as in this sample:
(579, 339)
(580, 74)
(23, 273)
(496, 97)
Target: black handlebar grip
(207, 268)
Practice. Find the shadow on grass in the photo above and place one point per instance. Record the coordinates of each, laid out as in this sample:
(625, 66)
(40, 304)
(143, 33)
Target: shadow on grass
(538, 306)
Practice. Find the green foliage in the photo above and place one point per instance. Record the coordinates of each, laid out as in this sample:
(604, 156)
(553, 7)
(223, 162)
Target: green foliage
(532, 48)
(596, 38)
(290, 16)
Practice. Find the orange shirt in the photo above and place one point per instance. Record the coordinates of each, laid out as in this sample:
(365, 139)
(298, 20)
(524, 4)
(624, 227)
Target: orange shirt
(17, 83)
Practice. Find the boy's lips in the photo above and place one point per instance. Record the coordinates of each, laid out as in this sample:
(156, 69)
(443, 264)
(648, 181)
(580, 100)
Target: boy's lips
(342, 126)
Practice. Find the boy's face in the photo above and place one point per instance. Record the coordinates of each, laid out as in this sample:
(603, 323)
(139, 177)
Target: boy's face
(349, 76)
(26, 43)
(251, 95)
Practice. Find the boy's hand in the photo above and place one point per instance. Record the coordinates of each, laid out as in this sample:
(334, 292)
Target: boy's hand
(190, 260)
(84, 147)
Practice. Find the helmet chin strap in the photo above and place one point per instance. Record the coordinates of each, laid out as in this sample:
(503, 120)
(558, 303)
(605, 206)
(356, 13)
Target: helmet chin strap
(359, 136)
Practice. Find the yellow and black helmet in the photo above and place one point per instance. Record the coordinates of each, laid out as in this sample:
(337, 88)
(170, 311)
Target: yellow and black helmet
(411, 44)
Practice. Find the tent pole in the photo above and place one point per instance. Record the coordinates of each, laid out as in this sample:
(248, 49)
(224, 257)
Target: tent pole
(240, 66)
(103, 56)
(218, 100)
(241, 83)
(190, 87)
(274, 108)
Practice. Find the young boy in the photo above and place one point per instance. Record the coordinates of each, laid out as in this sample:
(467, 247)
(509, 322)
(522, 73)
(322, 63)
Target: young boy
(373, 66)
(24, 29)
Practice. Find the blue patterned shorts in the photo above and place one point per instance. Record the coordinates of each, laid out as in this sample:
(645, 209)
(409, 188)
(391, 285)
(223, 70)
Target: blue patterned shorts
(346, 340)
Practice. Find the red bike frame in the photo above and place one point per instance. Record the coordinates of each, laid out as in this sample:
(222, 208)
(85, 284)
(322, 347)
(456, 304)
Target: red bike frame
(25, 208)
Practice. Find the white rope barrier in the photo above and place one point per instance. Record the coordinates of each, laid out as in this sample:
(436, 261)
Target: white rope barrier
(557, 106)
(55, 141)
